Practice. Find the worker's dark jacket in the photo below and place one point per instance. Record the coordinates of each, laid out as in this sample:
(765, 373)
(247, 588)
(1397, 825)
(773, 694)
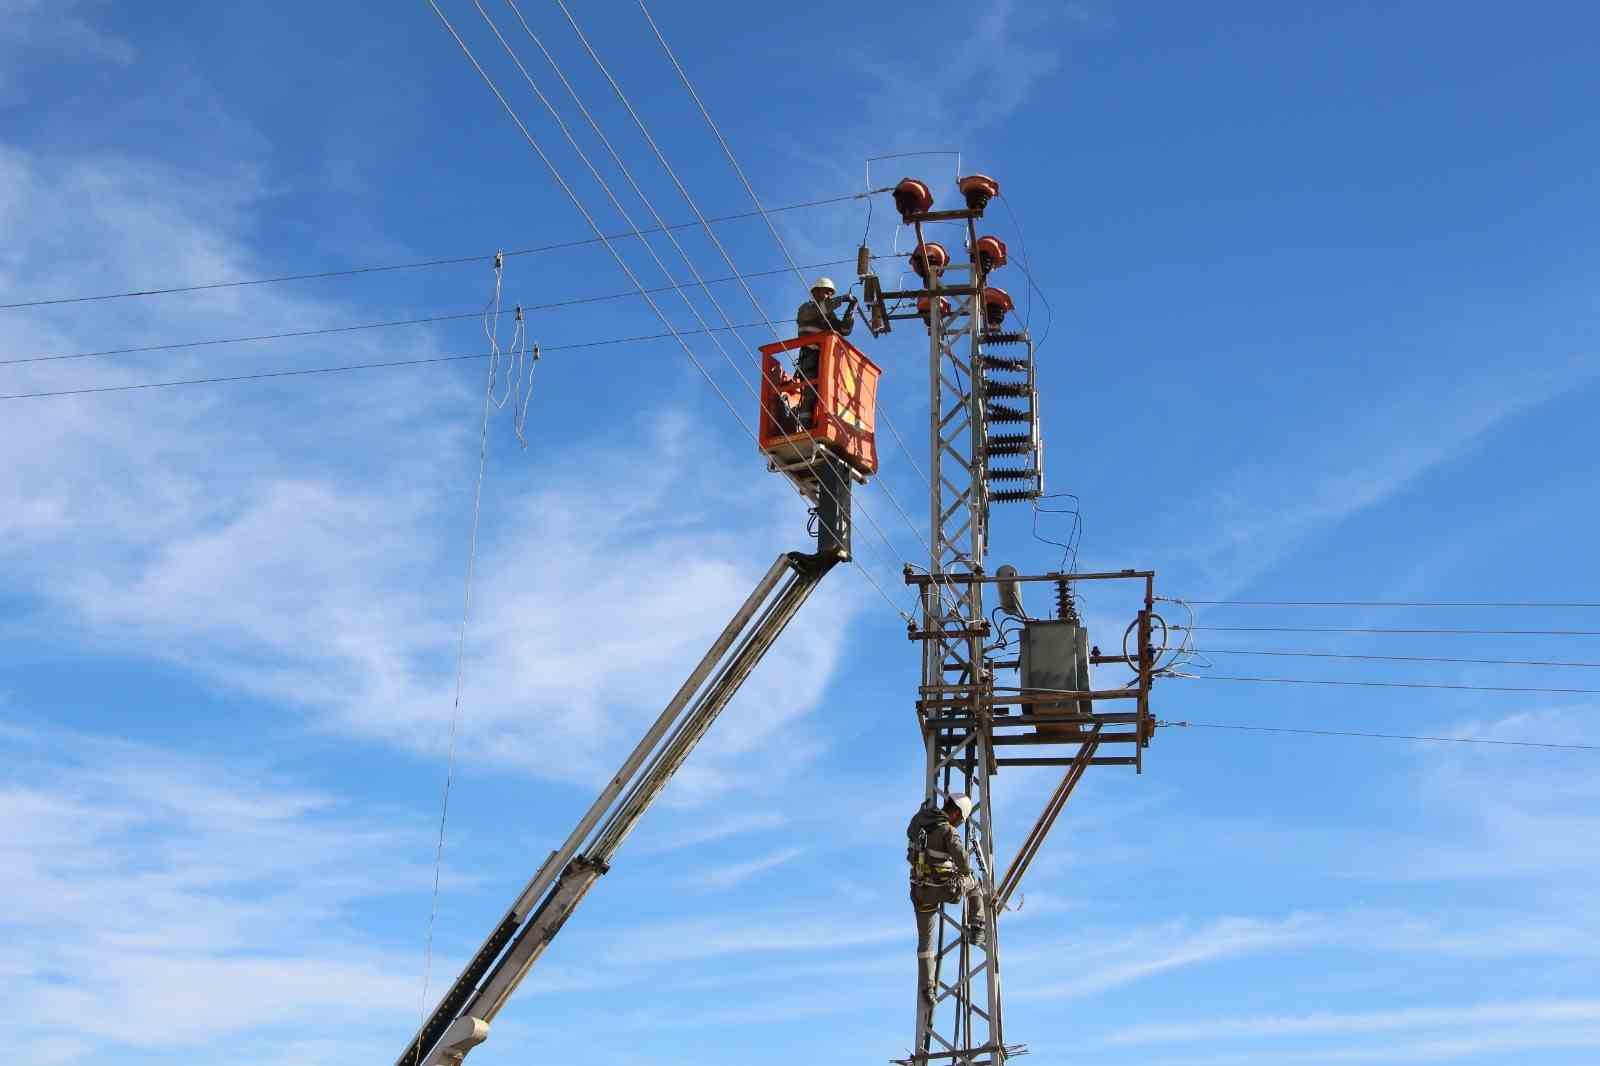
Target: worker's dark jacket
(812, 319)
(938, 861)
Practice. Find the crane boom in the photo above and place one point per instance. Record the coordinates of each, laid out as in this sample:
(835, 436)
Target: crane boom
(461, 1020)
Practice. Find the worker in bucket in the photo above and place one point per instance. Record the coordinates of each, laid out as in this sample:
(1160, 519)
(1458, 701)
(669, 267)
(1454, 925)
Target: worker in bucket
(819, 315)
(940, 874)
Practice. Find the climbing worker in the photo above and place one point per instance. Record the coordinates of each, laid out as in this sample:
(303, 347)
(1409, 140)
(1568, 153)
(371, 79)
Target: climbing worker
(819, 315)
(940, 874)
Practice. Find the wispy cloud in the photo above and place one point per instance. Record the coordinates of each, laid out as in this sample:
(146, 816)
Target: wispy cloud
(200, 528)
(1263, 511)
(736, 873)
(706, 831)
(135, 878)
(1159, 949)
(1324, 1023)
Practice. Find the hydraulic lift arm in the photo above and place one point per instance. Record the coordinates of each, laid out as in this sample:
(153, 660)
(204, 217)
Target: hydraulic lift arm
(461, 1021)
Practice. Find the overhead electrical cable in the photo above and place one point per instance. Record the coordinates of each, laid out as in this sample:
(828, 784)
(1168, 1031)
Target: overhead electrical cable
(384, 365)
(415, 265)
(1390, 684)
(617, 205)
(883, 416)
(749, 187)
(766, 216)
(1368, 629)
(711, 235)
(1381, 736)
(560, 180)
(424, 320)
(1553, 604)
(1393, 658)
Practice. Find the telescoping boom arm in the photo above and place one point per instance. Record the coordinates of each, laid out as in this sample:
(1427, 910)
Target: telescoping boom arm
(461, 1021)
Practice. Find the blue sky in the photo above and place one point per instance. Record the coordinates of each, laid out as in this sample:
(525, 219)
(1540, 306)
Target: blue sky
(1321, 326)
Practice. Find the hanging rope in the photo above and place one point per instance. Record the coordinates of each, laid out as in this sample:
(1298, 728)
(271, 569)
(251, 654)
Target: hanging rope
(520, 364)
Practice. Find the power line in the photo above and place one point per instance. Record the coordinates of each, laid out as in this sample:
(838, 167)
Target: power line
(755, 199)
(1392, 658)
(427, 319)
(1444, 632)
(617, 204)
(419, 264)
(335, 369)
(1383, 736)
(1390, 603)
(733, 161)
(1392, 684)
(560, 179)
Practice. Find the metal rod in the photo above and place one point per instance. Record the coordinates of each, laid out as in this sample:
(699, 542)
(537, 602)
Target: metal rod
(913, 578)
(1104, 760)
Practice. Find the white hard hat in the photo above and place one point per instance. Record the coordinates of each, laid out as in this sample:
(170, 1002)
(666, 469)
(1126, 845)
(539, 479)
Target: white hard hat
(962, 803)
(824, 283)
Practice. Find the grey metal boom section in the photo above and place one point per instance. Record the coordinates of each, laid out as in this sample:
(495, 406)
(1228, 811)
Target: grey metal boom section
(461, 1021)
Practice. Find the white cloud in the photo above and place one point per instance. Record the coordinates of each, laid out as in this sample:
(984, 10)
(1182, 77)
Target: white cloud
(208, 529)
(157, 901)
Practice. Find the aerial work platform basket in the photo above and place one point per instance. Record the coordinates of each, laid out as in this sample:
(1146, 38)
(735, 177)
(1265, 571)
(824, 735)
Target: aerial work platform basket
(836, 413)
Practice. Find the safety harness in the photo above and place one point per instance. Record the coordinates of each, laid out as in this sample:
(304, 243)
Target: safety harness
(930, 867)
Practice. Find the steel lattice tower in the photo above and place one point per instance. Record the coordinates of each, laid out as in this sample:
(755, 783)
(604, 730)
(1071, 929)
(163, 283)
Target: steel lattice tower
(983, 421)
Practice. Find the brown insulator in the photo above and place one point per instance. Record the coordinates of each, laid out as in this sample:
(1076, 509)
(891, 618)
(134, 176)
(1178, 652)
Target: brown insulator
(1020, 474)
(929, 256)
(863, 261)
(923, 305)
(999, 412)
(1066, 609)
(991, 336)
(997, 304)
(978, 190)
(1008, 444)
(912, 197)
(991, 253)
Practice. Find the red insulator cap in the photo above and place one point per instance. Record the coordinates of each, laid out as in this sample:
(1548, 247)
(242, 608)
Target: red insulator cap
(978, 189)
(991, 253)
(912, 197)
(996, 304)
(929, 256)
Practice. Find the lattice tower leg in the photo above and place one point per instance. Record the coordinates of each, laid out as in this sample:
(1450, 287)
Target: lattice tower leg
(965, 1025)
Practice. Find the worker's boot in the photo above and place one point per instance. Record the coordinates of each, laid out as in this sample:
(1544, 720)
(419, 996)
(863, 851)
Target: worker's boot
(977, 935)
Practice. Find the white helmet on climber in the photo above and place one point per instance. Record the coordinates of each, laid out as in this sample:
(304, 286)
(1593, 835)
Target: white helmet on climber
(823, 283)
(959, 802)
